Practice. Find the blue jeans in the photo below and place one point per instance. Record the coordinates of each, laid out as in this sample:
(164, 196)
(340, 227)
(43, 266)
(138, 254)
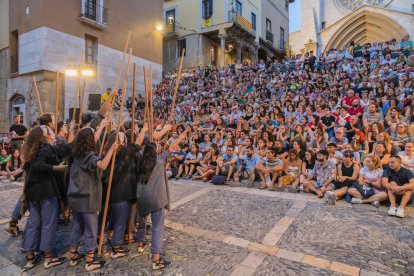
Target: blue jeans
(84, 224)
(331, 132)
(157, 219)
(120, 215)
(16, 215)
(42, 225)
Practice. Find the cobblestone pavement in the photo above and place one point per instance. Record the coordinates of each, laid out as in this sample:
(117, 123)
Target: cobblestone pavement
(218, 230)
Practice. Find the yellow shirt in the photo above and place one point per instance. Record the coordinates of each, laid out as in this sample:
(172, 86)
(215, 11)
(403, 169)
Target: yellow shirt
(104, 97)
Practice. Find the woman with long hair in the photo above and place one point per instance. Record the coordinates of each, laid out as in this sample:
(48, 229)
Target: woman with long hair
(41, 193)
(292, 168)
(14, 166)
(192, 161)
(369, 188)
(153, 198)
(307, 165)
(85, 197)
(207, 169)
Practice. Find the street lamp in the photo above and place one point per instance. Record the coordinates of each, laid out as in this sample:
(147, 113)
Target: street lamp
(159, 27)
(83, 70)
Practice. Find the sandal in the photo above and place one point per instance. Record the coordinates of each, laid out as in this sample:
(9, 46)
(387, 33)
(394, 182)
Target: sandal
(119, 252)
(13, 229)
(160, 264)
(54, 262)
(94, 265)
(76, 259)
(227, 182)
(263, 186)
(31, 262)
(141, 247)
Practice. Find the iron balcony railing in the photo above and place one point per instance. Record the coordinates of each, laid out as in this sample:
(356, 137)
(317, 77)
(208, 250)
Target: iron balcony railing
(95, 12)
(269, 36)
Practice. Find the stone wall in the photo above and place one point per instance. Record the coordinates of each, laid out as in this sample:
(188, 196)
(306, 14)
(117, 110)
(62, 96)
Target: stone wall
(4, 74)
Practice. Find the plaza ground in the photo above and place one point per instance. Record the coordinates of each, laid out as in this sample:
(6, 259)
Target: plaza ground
(219, 230)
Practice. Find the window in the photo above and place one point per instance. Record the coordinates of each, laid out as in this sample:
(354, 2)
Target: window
(207, 8)
(90, 9)
(268, 25)
(239, 8)
(170, 20)
(323, 25)
(253, 21)
(181, 46)
(287, 5)
(282, 38)
(91, 48)
(14, 52)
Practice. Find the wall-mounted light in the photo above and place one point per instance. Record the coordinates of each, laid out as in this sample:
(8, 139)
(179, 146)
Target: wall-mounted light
(159, 27)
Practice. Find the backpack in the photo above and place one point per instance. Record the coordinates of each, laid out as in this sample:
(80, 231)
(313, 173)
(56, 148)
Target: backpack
(218, 179)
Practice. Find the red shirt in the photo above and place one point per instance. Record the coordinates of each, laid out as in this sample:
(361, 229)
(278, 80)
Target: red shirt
(348, 101)
(352, 111)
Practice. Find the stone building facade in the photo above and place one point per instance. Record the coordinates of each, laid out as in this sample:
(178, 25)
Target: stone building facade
(335, 23)
(218, 32)
(44, 37)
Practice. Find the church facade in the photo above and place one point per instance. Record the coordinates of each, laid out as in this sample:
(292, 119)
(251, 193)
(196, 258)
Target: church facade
(335, 23)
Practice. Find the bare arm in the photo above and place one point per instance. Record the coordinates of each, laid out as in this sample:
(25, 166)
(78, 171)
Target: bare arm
(159, 134)
(103, 164)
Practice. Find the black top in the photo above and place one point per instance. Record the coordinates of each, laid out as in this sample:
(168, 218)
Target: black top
(328, 120)
(124, 180)
(347, 171)
(309, 166)
(41, 181)
(401, 177)
(20, 130)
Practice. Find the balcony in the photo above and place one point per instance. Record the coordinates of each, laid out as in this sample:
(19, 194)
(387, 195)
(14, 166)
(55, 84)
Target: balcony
(170, 31)
(241, 22)
(269, 36)
(94, 14)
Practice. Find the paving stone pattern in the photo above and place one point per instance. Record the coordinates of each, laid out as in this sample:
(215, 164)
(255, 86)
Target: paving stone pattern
(277, 266)
(245, 216)
(180, 191)
(359, 237)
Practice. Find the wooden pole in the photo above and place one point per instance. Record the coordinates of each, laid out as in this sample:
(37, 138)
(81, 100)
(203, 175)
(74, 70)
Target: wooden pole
(37, 94)
(57, 102)
(151, 107)
(176, 85)
(81, 102)
(111, 173)
(77, 90)
(146, 95)
(134, 80)
(115, 89)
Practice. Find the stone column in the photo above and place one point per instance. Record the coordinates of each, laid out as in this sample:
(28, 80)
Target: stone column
(238, 52)
(222, 50)
(254, 53)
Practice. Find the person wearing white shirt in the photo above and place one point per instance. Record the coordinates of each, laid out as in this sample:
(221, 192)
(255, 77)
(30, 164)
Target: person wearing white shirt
(407, 156)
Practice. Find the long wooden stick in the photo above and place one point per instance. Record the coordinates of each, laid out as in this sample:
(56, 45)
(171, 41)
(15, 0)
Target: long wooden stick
(115, 89)
(146, 95)
(111, 173)
(57, 102)
(81, 102)
(37, 95)
(134, 80)
(151, 107)
(177, 84)
(77, 89)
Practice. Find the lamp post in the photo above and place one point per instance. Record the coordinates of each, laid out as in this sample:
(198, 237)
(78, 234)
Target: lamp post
(79, 71)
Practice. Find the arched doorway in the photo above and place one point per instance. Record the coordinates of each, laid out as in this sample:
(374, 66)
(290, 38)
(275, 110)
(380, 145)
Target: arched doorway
(18, 106)
(363, 27)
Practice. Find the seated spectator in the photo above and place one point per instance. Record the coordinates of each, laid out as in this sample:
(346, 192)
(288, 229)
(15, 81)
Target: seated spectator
(347, 174)
(352, 127)
(399, 183)
(384, 138)
(329, 122)
(343, 117)
(339, 139)
(249, 160)
(307, 165)
(192, 161)
(176, 162)
(407, 156)
(14, 166)
(4, 157)
(208, 165)
(269, 169)
(228, 164)
(205, 145)
(369, 188)
(360, 144)
(292, 167)
(381, 152)
(356, 157)
(401, 136)
(323, 174)
(335, 156)
(372, 116)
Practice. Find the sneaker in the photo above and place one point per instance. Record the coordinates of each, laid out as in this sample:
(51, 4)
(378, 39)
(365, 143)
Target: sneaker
(400, 212)
(392, 211)
(251, 181)
(160, 264)
(331, 197)
(142, 247)
(355, 200)
(376, 204)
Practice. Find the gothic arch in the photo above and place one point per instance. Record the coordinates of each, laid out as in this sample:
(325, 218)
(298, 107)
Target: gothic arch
(363, 27)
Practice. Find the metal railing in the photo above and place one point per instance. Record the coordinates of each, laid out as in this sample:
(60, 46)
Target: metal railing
(236, 18)
(95, 12)
(14, 64)
(269, 36)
